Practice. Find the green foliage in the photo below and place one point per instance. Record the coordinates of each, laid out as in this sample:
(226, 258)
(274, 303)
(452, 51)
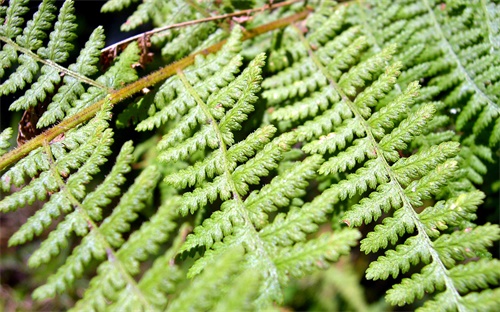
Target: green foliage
(452, 47)
(4, 140)
(257, 167)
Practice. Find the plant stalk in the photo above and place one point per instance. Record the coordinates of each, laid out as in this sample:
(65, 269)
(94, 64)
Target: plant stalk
(119, 95)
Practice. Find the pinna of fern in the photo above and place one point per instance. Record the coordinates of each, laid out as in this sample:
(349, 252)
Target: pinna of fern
(367, 141)
(61, 169)
(102, 236)
(172, 97)
(25, 66)
(452, 45)
(228, 170)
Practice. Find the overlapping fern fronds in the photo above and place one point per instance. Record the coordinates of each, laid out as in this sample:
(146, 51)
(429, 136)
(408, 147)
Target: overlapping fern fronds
(361, 136)
(218, 106)
(24, 53)
(254, 164)
(58, 173)
(452, 47)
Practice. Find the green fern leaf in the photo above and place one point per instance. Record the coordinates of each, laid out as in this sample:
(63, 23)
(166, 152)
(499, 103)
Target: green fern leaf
(68, 93)
(12, 24)
(247, 178)
(57, 50)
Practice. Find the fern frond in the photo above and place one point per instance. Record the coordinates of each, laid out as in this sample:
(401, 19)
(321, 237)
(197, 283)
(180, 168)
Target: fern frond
(460, 64)
(40, 163)
(57, 51)
(69, 91)
(232, 168)
(240, 92)
(67, 165)
(249, 177)
(90, 156)
(92, 205)
(102, 240)
(378, 135)
(112, 282)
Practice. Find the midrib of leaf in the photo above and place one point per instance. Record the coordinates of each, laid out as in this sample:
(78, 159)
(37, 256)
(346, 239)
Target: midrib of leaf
(119, 95)
(95, 227)
(51, 63)
(406, 202)
(258, 243)
(445, 43)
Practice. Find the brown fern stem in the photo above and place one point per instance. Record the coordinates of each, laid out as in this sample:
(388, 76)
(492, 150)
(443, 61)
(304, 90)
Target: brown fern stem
(201, 20)
(117, 96)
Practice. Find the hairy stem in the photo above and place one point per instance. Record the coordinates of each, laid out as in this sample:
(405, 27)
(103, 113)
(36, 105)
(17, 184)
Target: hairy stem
(119, 95)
